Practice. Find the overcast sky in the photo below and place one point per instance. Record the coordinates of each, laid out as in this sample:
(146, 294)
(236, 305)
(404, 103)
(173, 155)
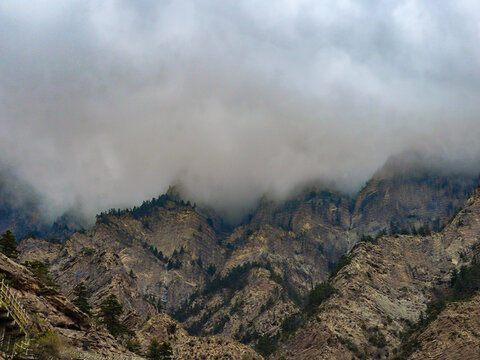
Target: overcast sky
(106, 103)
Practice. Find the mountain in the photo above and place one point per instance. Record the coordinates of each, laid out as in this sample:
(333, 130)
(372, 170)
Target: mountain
(257, 282)
(20, 209)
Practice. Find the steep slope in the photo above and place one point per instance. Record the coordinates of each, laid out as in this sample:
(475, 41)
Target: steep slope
(148, 260)
(82, 337)
(384, 287)
(455, 334)
(450, 329)
(48, 310)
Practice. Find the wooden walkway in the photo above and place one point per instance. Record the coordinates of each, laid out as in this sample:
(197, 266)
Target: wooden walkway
(14, 336)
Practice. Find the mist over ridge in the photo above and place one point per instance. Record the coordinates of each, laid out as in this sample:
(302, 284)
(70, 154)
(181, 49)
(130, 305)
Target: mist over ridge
(107, 104)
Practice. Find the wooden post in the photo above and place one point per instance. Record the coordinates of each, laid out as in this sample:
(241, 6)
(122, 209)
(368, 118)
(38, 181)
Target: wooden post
(2, 338)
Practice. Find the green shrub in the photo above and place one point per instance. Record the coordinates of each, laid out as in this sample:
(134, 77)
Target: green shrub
(317, 295)
(266, 344)
(367, 238)
(377, 339)
(134, 346)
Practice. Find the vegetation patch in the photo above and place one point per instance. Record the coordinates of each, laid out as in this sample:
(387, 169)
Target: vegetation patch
(109, 314)
(8, 245)
(81, 298)
(343, 261)
(268, 344)
(40, 270)
(146, 208)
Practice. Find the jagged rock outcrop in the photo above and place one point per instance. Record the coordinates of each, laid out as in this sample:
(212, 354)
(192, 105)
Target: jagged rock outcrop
(319, 214)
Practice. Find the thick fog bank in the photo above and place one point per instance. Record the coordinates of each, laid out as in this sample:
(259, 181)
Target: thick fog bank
(105, 104)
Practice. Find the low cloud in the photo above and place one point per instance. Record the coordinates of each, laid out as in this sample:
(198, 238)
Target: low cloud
(105, 104)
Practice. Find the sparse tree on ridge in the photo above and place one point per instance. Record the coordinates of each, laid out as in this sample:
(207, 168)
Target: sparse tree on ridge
(8, 245)
(81, 301)
(110, 311)
(158, 351)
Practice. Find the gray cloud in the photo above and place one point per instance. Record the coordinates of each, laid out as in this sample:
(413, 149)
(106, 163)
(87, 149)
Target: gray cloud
(106, 103)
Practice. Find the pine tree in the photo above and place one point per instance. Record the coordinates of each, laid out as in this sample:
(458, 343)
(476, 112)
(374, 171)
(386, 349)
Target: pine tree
(132, 274)
(110, 311)
(154, 350)
(40, 270)
(159, 352)
(8, 245)
(166, 352)
(81, 300)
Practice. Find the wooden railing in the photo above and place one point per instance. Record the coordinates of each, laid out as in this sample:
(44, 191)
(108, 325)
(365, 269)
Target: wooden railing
(12, 305)
(15, 310)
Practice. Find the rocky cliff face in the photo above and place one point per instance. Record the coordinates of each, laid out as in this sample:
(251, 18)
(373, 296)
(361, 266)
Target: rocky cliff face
(455, 334)
(406, 194)
(160, 259)
(385, 287)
